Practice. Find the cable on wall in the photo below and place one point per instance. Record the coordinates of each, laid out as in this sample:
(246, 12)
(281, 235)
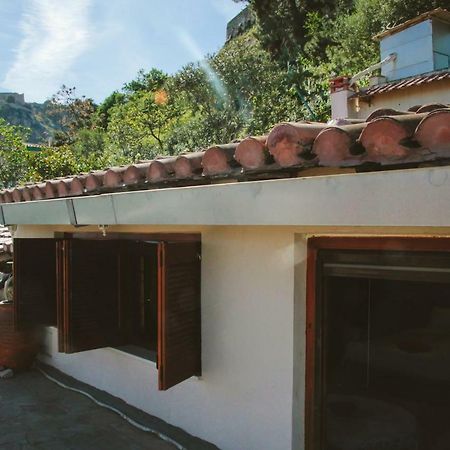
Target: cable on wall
(131, 421)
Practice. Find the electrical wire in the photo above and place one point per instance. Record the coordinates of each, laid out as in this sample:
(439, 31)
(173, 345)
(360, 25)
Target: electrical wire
(131, 421)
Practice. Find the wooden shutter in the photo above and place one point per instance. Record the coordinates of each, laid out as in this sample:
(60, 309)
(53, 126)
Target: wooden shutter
(179, 315)
(34, 282)
(90, 310)
(62, 266)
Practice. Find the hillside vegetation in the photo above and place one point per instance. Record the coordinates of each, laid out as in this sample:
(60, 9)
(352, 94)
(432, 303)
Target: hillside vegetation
(277, 71)
(37, 117)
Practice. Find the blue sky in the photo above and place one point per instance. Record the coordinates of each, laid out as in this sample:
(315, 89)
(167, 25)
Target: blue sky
(98, 45)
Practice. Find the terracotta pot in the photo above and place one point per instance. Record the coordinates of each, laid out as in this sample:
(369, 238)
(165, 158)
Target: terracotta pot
(17, 348)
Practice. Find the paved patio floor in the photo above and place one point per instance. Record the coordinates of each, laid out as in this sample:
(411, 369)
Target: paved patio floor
(35, 413)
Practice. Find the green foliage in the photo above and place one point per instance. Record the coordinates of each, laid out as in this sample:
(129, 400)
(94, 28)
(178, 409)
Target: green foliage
(93, 151)
(52, 162)
(37, 117)
(146, 81)
(256, 86)
(13, 154)
(75, 113)
(103, 112)
(283, 24)
(139, 126)
(394, 12)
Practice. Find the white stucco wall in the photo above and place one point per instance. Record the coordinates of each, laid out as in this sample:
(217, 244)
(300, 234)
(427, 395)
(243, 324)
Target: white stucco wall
(246, 398)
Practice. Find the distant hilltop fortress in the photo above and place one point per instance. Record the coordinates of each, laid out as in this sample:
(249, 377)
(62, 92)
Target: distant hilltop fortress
(240, 23)
(12, 97)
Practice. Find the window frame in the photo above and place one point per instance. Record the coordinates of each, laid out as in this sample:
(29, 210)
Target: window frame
(178, 255)
(317, 247)
(169, 374)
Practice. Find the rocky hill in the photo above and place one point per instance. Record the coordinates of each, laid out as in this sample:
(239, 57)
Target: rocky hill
(38, 117)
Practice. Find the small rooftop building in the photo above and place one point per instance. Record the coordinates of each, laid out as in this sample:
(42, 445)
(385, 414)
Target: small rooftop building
(414, 64)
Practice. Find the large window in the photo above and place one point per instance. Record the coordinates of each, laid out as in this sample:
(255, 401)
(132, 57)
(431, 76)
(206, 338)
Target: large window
(381, 367)
(121, 292)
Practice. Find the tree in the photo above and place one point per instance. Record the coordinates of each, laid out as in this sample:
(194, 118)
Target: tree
(150, 81)
(257, 87)
(92, 150)
(103, 112)
(13, 154)
(241, 90)
(139, 127)
(282, 24)
(52, 162)
(74, 113)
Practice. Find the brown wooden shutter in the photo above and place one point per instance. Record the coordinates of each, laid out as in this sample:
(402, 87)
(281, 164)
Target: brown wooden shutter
(34, 282)
(90, 309)
(179, 315)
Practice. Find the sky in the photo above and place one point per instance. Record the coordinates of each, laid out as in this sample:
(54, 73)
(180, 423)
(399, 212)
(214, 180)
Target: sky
(98, 45)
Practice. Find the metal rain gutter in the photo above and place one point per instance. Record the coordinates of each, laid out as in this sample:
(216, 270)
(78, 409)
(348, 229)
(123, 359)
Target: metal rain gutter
(409, 197)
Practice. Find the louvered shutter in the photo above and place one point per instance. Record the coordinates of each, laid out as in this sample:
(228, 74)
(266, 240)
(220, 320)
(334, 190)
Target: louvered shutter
(62, 268)
(90, 315)
(34, 282)
(179, 315)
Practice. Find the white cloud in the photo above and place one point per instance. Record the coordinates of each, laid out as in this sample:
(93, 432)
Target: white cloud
(55, 34)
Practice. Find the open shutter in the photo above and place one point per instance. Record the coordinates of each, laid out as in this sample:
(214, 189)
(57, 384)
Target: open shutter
(62, 267)
(179, 315)
(34, 282)
(90, 314)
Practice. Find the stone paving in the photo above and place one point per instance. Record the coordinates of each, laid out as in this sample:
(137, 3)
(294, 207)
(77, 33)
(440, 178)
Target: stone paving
(35, 413)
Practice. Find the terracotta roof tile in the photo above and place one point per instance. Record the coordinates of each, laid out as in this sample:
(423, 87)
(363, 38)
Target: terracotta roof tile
(77, 185)
(251, 153)
(94, 181)
(290, 144)
(433, 133)
(219, 159)
(337, 146)
(161, 169)
(417, 80)
(388, 137)
(135, 173)
(188, 165)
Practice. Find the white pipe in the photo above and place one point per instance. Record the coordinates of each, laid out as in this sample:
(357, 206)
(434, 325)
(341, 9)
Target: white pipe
(388, 59)
(111, 408)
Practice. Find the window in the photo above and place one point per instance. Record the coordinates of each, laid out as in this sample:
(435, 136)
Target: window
(139, 296)
(381, 349)
(118, 292)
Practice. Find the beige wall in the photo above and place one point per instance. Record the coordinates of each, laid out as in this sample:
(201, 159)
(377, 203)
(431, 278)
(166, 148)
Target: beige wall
(251, 394)
(244, 399)
(402, 99)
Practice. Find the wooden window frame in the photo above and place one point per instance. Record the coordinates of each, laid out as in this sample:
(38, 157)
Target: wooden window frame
(172, 237)
(313, 375)
(170, 339)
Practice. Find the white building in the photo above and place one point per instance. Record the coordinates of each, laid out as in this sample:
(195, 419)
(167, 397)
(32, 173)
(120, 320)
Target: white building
(318, 315)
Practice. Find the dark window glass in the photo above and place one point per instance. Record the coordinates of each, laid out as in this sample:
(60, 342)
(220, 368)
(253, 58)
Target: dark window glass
(386, 364)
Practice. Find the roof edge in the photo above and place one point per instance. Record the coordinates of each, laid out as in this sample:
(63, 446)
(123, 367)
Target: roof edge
(438, 13)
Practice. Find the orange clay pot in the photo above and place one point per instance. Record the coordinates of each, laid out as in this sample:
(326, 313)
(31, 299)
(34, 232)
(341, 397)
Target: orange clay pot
(17, 348)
